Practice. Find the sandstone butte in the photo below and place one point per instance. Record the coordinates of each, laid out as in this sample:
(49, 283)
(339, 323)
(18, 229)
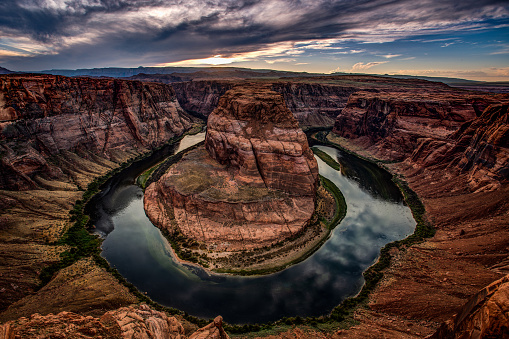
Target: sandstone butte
(253, 184)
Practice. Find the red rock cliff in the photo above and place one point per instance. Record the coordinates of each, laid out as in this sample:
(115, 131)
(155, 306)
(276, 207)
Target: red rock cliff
(391, 124)
(201, 97)
(253, 130)
(314, 104)
(44, 115)
(480, 148)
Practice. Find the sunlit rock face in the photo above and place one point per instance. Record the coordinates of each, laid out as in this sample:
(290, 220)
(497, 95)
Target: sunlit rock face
(252, 185)
(253, 130)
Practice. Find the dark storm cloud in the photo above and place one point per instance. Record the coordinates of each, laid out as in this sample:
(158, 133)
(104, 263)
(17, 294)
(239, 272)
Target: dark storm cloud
(163, 31)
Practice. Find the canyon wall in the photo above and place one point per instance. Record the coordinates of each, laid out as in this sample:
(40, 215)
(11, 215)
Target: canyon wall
(314, 104)
(43, 116)
(480, 147)
(392, 123)
(451, 147)
(57, 135)
(201, 97)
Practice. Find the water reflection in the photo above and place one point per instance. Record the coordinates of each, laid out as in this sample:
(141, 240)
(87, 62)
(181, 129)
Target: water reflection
(375, 217)
(367, 175)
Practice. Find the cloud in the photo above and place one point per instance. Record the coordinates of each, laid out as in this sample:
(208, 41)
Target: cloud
(503, 49)
(63, 32)
(389, 56)
(360, 66)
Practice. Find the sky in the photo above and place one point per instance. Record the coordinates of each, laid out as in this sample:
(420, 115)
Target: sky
(468, 39)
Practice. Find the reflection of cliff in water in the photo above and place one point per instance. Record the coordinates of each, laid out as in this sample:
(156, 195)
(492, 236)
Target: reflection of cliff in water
(120, 191)
(374, 179)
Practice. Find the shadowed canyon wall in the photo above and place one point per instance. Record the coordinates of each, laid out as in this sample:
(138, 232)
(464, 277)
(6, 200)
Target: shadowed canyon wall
(312, 104)
(43, 116)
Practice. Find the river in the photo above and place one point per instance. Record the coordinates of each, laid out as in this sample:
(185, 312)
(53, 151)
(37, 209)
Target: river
(376, 215)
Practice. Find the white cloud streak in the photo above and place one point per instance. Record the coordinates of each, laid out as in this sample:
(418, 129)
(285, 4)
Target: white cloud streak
(360, 66)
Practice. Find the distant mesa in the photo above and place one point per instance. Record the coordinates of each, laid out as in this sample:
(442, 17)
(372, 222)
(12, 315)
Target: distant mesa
(252, 185)
(5, 71)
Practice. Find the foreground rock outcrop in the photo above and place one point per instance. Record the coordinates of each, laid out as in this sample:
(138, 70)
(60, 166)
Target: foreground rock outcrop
(43, 116)
(126, 323)
(485, 315)
(254, 185)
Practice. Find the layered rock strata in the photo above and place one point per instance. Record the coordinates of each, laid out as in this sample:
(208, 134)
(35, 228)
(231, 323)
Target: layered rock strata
(391, 124)
(480, 148)
(43, 116)
(57, 135)
(253, 130)
(315, 104)
(254, 185)
(201, 97)
(312, 104)
(126, 322)
(461, 178)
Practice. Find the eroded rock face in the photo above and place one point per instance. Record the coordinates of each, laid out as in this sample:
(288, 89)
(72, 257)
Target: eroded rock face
(314, 104)
(42, 116)
(480, 148)
(126, 322)
(483, 316)
(254, 185)
(253, 130)
(201, 97)
(391, 124)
